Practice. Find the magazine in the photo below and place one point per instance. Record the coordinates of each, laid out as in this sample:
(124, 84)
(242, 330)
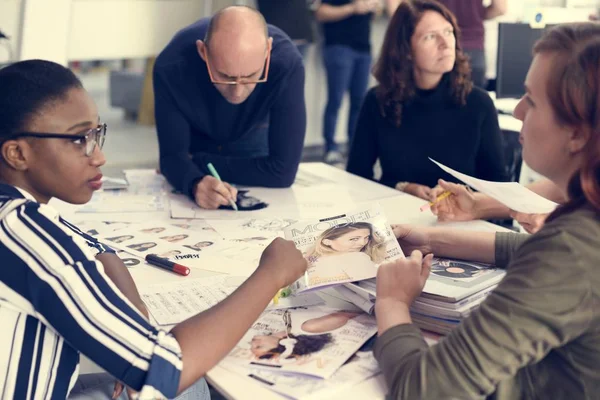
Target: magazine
(343, 248)
(314, 341)
(451, 281)
(361, 366)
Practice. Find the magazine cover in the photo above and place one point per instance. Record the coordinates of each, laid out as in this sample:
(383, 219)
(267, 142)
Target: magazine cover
(314, 341)
(361, 366)
(343, 248)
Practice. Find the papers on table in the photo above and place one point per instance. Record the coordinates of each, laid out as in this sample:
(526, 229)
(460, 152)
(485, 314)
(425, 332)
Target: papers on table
(305, 179)
(119, 201)
(360, 367)
(296, 203)
(512, 194)
(172, 303)
(251, 229)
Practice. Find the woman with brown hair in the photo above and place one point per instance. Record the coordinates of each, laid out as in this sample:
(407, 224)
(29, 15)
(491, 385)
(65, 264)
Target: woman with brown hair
(424, 106)
(537, 335)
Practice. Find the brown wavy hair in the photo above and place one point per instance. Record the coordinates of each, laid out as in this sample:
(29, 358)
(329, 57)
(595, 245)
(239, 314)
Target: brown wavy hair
(574, 93)
(394, 68)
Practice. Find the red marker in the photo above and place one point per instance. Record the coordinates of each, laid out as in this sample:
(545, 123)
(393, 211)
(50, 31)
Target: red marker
(168, 265)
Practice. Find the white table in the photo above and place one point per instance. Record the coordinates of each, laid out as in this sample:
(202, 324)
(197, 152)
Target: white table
(399, 207)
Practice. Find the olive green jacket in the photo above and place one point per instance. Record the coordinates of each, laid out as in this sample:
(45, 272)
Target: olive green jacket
(536, 336)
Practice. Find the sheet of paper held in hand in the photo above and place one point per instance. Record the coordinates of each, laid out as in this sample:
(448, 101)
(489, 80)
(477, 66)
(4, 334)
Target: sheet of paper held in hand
(173, 302)
(512, 194)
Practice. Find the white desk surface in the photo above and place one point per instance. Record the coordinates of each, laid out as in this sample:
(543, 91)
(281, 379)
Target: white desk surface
(399, 207)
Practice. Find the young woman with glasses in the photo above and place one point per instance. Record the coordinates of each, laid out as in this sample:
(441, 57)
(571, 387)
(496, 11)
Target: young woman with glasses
(63, 293)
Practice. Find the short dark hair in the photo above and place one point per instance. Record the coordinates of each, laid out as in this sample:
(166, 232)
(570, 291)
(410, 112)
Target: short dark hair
(26, 87)
(214, 22)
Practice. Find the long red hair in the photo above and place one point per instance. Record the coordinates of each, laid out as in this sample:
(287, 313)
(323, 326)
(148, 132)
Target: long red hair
(574, 93)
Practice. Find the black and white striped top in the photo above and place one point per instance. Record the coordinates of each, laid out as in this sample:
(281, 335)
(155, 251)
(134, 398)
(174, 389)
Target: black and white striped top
(56, 302)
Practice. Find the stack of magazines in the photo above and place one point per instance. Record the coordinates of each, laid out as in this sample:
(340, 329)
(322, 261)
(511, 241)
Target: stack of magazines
(454, 289)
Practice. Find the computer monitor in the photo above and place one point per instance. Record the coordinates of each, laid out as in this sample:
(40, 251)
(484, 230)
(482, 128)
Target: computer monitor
(515, 46)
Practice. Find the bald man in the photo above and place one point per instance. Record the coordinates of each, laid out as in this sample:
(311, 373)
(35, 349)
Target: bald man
(229, 90)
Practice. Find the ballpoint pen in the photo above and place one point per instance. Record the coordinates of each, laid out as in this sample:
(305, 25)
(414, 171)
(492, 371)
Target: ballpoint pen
(214, 173)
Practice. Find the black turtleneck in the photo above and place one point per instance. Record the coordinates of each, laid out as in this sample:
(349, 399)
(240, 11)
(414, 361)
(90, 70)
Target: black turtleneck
(466, 138)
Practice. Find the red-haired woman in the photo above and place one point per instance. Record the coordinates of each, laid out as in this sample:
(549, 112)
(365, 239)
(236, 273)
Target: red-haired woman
(537, 335)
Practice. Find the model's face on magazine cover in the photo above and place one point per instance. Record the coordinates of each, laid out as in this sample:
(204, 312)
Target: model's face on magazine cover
(353, 241)
(262, 344)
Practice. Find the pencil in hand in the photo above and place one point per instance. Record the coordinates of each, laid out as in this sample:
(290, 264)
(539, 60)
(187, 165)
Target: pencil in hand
(215, 174)
(437, 200)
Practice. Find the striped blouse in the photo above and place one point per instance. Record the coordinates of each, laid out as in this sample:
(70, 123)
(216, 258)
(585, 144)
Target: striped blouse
(56, 302)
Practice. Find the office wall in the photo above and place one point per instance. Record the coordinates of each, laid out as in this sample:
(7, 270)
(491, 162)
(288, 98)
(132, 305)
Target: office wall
(63, 30)
(137, 28)
(10, 20)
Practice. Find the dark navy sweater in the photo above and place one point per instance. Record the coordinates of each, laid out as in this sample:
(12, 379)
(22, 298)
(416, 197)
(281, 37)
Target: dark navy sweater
(466, 138)
(196, 125)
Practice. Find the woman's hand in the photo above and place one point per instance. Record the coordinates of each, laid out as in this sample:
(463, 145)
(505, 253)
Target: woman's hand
(460, 206)
(401, 281)
(530, 222)
(412, 238)
(421, 191)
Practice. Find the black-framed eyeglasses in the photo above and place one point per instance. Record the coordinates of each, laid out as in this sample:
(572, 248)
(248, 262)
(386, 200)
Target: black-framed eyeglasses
(90, 139)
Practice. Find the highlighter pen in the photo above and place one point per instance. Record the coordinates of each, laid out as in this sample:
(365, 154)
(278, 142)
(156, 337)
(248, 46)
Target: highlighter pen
(283, 293)
(163, 263)
(437, 199)
(214, 173)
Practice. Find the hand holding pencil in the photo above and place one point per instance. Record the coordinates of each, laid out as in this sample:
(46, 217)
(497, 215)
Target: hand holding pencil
(458, 203)
(211, 193)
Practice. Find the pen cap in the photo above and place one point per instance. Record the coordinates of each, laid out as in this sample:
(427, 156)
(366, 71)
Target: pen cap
(180, 269)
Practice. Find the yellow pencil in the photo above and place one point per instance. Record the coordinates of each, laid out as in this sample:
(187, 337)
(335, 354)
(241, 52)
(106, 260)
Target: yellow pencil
(437, 199)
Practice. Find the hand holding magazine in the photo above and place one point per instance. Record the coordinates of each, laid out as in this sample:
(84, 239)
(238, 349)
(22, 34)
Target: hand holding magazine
(343, 248)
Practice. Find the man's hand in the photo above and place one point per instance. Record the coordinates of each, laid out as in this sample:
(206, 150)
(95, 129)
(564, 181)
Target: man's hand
(211, 193)
(283, 262)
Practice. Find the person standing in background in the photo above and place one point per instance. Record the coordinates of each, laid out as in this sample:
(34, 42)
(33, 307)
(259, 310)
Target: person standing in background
(470, 15)
(347, 59)
(294, 17)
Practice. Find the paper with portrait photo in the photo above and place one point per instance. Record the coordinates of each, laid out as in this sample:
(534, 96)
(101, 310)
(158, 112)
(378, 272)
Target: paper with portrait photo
(314, 341)
(174, 302)
(343, 248)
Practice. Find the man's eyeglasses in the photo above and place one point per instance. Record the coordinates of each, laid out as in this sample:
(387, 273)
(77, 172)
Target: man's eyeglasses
(90, 139)
(240, 81)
